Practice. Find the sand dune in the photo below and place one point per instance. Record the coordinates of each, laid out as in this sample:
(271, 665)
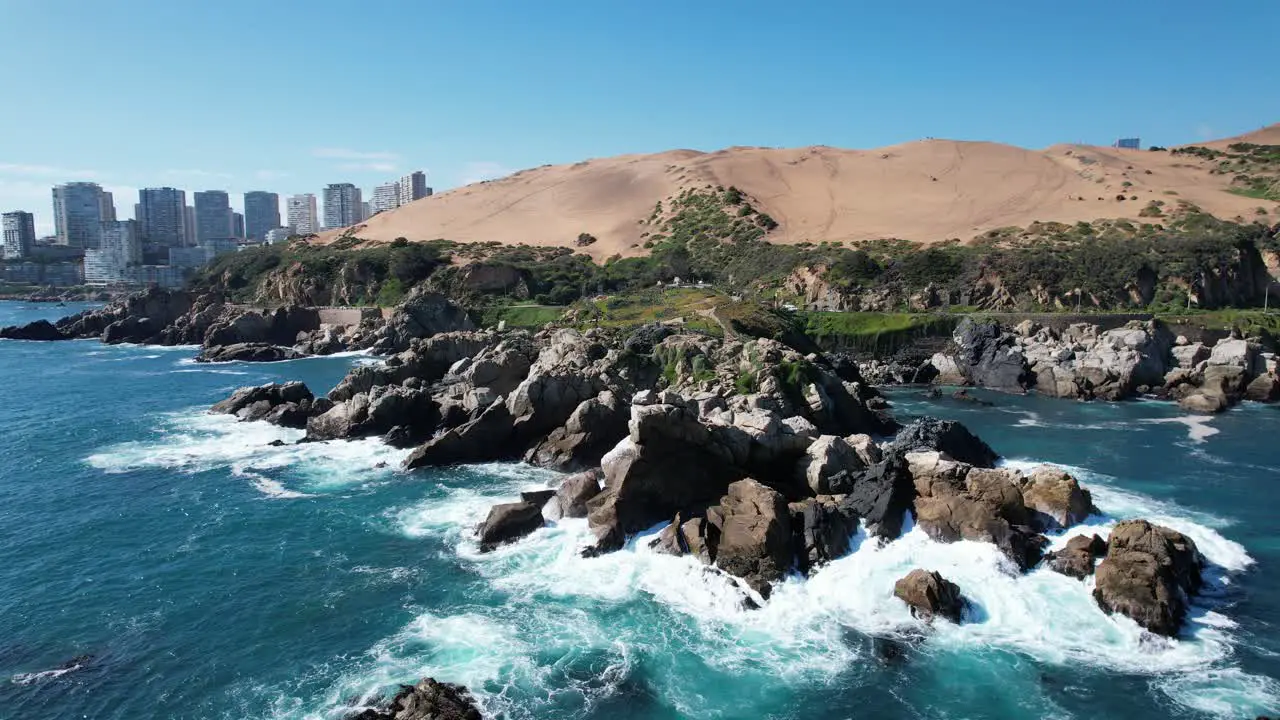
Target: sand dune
(927, 191)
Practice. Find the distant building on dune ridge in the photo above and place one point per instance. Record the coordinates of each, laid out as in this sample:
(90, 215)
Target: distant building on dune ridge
(413, 187)
(1129, 143)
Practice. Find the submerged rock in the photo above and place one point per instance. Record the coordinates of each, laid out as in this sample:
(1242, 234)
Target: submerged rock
(930, 595)
(247, 352)
(1149, 574)
(511, 521)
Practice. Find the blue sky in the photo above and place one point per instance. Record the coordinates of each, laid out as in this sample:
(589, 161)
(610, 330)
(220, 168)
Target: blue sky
(288, 95)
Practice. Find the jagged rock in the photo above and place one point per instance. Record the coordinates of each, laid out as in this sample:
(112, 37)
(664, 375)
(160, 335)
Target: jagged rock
(1189, 356)
(1237, 353)
(828, 466)
(881, 496)
(822, 527)
(424, 313)
(945, 436)
(340, 421)
(488, 437)
(643, 340)
(261, 327)
(1203, 403)
(1264, 388)
(428, 700)
(38, 330)
(246, 352)
(755, 534)
(595, 427)
(1054, 499)
(956, 501)
(930, 595)
(510, 521)
(866, 448)
(987, 358)
(1149, 574)
(1077, 558)
(257, 403)
(573, 494)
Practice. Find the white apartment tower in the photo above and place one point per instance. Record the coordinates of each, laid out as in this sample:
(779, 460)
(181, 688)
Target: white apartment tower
(413, 186)
(300, 214)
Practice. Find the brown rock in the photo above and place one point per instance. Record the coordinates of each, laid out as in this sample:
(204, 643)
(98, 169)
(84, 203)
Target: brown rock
(1149, 574)
(1076, 559)
(1055, 499)
(930, 595)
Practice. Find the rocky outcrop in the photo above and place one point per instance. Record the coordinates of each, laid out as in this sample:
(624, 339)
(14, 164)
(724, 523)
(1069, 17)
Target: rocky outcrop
(424, 313)
(822, 527)
(1149, 574)
(511, 521)
(987, 357)
(593, 428)
(1088, 363)
(930, 595)
(572, 496)
(39, 330)
(286, 404)
(1076, 559)
(246, 352)
(755, 534)
(956, 501)
(1054, 499)
(428, 700)
(945, 436)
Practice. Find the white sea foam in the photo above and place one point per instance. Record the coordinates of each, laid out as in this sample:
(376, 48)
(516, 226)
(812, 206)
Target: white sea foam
(799, 636)
(1199, 428)
(35, 677)
(195, 441)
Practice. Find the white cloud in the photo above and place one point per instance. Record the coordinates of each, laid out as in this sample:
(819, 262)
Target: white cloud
(348, 154)
(269, 174)
(478, 171)
(44, 171)
(384, 167)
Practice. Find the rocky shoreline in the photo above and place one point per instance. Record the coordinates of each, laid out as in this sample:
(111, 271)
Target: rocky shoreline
(747, 455)
(1084, 362)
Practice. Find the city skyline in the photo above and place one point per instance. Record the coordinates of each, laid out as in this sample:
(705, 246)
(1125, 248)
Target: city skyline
(111, 206)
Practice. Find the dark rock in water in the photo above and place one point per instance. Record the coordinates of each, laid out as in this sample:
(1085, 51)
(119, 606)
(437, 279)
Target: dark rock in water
(400, 436)
(930, 595)
(485, 438)
(510, 521)
(945, 436)
(247, 352)
(276, 443)
(594, 428)
(1076, 559)
(822, 528)
(964, 396)
(428, 700)
(1149, 574)
(258, 403)
(881, 495)
(989, 358)
(38, 330)
(755, 534)
(572, 495)
(262, 327)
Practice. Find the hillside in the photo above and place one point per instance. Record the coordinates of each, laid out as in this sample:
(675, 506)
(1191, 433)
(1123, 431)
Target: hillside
(926, 191)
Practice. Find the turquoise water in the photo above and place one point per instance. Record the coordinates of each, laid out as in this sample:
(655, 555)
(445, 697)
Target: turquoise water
(211, 575)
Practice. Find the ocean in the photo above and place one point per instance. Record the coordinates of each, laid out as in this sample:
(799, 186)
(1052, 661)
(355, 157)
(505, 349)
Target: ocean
(160, 562)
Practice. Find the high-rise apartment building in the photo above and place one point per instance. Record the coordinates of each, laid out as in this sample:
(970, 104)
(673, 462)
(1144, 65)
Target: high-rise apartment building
(413, 187)
(342, 205)
(118, 250)
(161, 216)
(189, 226)
(19, 234)
(237, 225)
(108, 207)
(385, 197)
(261, 214)
(77, 214)
(301, 212)
(213, 216)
